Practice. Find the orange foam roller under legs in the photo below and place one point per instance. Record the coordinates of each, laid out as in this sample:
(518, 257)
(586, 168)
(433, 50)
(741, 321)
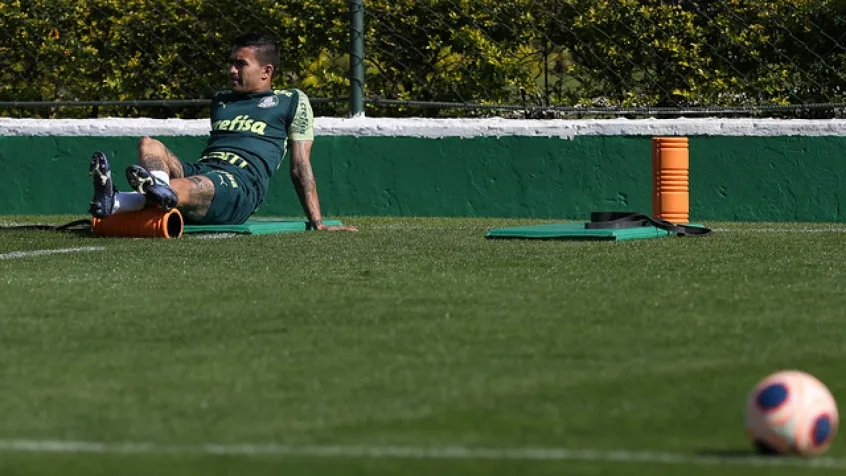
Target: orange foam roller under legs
(671, 170)
(147, 223)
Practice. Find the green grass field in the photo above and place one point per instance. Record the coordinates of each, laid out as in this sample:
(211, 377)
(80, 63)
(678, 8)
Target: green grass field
(412, 347)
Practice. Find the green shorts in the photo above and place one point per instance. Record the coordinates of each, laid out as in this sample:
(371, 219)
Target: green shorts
(235, 193)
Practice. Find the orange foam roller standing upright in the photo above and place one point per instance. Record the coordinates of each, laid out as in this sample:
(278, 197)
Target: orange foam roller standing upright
(671, 179)
(147, 223)
(656, 172)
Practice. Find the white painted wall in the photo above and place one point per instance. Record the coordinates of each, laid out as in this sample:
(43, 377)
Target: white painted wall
(434, 128)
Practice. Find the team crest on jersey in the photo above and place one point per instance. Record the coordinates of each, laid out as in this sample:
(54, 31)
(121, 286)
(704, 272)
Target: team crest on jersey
(268, 102)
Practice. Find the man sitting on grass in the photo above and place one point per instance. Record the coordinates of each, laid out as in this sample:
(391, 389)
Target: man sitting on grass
(252, 127)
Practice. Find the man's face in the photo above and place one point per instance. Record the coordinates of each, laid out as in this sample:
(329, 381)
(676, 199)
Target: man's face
(246, 73)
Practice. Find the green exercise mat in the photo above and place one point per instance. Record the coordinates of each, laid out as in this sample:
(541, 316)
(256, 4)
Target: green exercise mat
(577, 231)
(257, 227)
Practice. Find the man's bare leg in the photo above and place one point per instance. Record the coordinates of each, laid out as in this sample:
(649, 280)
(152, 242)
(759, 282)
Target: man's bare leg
(195, 195)
(151, 176)
(158, 165)
(156, 157)
(191, 195)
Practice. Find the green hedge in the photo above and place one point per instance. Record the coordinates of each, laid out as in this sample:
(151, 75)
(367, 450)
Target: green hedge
(620, 52)
(705, 52)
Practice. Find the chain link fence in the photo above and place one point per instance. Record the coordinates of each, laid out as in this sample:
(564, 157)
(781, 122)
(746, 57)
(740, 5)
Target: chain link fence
(444, 58)
(157, 58)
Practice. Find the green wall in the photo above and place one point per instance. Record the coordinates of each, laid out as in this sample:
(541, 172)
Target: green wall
(790, 178)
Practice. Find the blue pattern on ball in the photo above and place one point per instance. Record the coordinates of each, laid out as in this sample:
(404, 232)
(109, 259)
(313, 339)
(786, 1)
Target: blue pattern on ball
(822, 430)
(772, 396)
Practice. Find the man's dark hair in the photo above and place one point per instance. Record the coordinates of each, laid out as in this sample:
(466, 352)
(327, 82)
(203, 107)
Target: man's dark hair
(267, 51)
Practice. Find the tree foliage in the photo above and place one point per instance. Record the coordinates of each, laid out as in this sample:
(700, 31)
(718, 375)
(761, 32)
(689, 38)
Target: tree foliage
(565, 52)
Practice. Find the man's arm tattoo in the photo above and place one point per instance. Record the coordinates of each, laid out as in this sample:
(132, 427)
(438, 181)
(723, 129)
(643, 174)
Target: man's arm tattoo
(304, 182)
(306, 176)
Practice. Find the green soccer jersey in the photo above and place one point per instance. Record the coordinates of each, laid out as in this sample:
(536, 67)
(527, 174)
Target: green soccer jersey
(251, 131)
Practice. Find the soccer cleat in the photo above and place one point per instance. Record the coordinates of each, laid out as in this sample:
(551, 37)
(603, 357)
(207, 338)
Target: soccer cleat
(104, 189)
(146, 183)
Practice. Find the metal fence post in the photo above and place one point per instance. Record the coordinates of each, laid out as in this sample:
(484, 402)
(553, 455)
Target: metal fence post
(356, 58)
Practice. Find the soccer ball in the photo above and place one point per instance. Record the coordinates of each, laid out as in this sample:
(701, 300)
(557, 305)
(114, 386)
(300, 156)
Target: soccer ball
(791, 412)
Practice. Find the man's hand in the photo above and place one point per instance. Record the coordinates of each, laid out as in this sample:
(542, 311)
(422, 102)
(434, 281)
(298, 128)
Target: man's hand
(321, 227)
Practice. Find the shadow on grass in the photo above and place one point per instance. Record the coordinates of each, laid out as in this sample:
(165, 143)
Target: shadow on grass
(77, 227)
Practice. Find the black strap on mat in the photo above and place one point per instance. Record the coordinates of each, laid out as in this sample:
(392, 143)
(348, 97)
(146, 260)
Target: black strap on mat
(608, 220)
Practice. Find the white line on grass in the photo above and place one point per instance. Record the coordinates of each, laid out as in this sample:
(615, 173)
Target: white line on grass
(27, 254)
(780, 230)
(750, 229)
(410, 452)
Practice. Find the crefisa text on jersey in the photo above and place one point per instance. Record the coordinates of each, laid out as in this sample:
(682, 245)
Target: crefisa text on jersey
(240, 123)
